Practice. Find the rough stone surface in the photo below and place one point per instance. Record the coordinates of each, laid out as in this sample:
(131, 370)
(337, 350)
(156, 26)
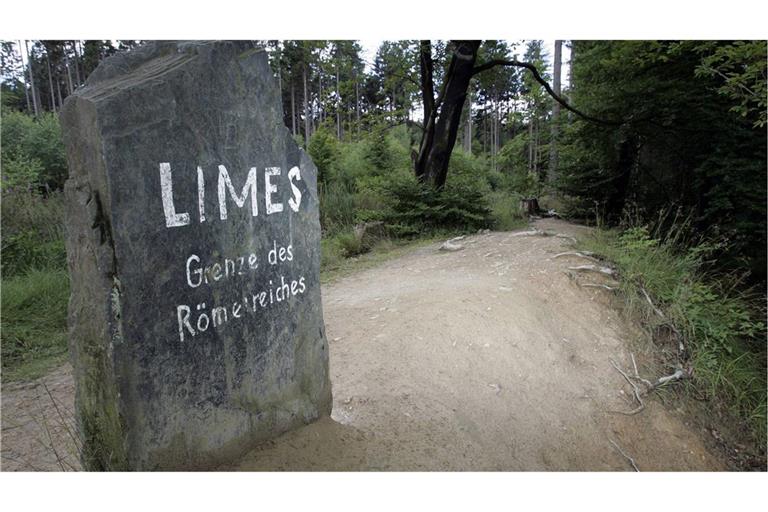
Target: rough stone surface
(158, 386)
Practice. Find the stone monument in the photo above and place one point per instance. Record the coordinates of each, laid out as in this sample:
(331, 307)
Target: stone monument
(193, 240)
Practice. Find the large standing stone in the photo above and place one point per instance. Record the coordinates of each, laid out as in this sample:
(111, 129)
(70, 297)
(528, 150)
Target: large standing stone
(196, 328)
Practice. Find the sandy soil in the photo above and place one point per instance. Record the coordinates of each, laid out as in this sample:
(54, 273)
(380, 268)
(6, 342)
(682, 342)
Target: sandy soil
(488, 358)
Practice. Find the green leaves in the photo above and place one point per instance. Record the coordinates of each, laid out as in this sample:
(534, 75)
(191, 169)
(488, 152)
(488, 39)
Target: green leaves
(740, 70)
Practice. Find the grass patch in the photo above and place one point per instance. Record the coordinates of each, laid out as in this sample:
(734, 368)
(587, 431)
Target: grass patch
(34, 323)
(723, 328)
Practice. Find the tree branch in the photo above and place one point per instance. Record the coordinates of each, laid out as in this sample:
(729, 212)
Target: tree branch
(537, 76)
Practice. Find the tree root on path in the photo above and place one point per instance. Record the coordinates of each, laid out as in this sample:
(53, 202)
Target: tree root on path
(451, 245)
(585, 255)
(630, 459)
(596, 285)
(679, 374)
(538, 232)
(608, 271)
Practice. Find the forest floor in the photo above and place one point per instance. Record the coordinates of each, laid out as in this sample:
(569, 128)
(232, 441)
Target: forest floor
(492, 357)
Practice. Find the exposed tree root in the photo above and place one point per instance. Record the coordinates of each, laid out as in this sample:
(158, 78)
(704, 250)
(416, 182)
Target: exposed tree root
(538, 232)
(660, 313)
(585, 255)
(608, 271)
(630, 459)
(596, 285)
(649, 386)
(451, 245)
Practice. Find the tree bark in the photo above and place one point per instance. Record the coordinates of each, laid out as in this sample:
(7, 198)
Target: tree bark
(26, 91)
(76, 57)
(50, 81)
(441, 129)
(555, 112)
(306, 108)
(468, 131)
(338, 103)
(35, 97)
(70, 85)
(357, 105)
(293, 108)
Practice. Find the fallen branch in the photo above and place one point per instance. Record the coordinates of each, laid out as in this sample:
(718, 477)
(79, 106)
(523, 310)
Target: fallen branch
(608, 271)
(630, 459)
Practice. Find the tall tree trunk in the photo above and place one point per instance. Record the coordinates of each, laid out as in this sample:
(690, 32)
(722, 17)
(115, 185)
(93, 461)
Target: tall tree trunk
(320, 96)
(570, 78)
(441, 129)
(306, 108)
(468, 130)
(35, 95)
(78, 76)
(555, 112)
(357, 105)
(70, 86)
(26, 91)
(50, 81)
(58, 91)
(530, 144)
(338, 103)
(293, 109)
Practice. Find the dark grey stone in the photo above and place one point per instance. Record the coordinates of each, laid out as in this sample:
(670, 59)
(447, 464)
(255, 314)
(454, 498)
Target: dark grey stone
(157, 388)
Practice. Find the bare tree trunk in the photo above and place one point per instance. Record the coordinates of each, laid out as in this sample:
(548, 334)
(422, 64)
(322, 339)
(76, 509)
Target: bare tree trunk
(338, 103)
(530, 144)
(570, 79)
(50, 81)
(320, 96)
(35, 96)
(293, 109)
(79, 78)
(357, 105)
(70, 87)
(555, 112)
(58, 91)
(468, 130)
(306, 108)
(441, 129)
(26, 91)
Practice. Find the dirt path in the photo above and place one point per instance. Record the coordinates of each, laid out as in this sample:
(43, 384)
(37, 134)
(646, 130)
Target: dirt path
(489, 358)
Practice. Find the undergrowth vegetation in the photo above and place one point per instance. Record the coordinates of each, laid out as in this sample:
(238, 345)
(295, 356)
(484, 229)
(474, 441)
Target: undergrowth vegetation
(722, 324)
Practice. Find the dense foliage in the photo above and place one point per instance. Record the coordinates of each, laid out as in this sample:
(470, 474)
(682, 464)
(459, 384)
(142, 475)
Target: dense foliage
(686, 135)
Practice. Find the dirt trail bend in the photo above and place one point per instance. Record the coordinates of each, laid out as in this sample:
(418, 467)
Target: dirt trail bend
(488, 358)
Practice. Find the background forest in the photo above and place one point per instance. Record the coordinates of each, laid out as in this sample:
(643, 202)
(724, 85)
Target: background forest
(661, 144)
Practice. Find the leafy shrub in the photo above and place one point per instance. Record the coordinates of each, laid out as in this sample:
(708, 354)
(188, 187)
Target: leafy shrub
(416, 208)
(34, 145)
(323, 148)
(20, 172)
